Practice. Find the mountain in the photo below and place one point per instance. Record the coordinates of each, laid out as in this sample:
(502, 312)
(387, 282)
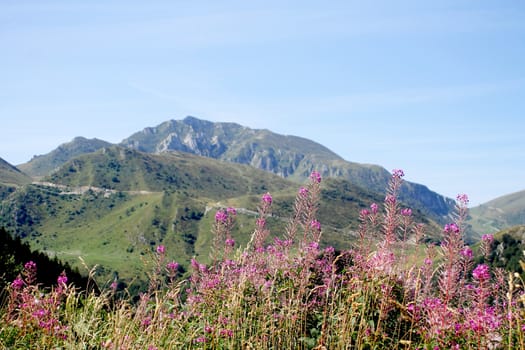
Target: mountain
(288, 156)
(10, 175)
(43, 165)
(113, 206)
(498, 214)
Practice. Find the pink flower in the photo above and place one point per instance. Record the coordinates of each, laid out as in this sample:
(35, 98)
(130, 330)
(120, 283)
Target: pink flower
(314, 245)
(374, 207)
(481, 272)
(267, 198)
(161, 249)
(226, 333)
(315, 225)
(462, 199)
(467, 252)
(398, 173)
(30, 266)
(303, 191)
(406, 212)
(18, 283)
(221, 216)
(230, 242)
(200, 340)
(451, 228)
(231, 211)
(488, 238)
(62, 279)
(390, 199)
(146, 322)
(364, 212)
(315, 176)
(172, 266)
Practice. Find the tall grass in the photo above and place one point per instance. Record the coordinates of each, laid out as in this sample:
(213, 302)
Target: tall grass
(286, 292)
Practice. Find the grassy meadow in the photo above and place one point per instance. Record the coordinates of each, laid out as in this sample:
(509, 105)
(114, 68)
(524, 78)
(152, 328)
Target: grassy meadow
(260, 289)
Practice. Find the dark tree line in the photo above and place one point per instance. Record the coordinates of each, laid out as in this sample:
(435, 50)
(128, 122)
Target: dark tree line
(14, 254)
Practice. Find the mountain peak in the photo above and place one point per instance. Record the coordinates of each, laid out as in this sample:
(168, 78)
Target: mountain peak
(42, 165)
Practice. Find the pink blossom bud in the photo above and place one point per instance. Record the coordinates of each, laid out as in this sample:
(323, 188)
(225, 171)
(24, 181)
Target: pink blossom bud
(398, 173)
(315, 176)
(481, 272)
(172, 266)
(315, 225)
(18, 283)
(62, 279)
(267, 198)
(221, 216)
(364, 212)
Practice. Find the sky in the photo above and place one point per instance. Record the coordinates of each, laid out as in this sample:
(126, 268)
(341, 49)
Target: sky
(436, 88)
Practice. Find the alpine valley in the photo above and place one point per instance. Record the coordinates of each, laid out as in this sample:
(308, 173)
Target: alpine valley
(103, 205)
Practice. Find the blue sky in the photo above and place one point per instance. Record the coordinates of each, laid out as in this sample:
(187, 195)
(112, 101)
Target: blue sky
(436, 88)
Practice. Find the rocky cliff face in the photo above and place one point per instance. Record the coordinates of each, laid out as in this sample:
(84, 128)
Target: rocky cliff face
(288, 156)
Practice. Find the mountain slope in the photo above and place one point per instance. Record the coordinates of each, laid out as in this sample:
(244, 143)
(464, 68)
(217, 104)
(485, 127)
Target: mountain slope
(113, 206)
(288, 156)
(498, 214)
(43, 165)
(10, 175)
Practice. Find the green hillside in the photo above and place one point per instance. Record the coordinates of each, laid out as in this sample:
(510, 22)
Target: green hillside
(498, 214)
(114, 206)
(288, 156)
(12, 176)
(42, 165)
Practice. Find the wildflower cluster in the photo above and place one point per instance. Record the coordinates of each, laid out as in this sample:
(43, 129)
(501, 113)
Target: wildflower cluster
(288, 292)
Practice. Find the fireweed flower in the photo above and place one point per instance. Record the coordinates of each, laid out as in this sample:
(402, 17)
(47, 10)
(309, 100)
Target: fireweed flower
(462, 199)
(30, 265)
(172, 266)
(18, 283)
(221, 216)
(467, 252)
(161, 249)
(230, 242)
(315, 176)
(231, 211)
(303, 191)
(451, 228)
(267, 198)
(481, 272)
(390, 199)
(406, 212)
(62, 279)
(374, 207)
(315, 225)
(398, 173)
(488, 238)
